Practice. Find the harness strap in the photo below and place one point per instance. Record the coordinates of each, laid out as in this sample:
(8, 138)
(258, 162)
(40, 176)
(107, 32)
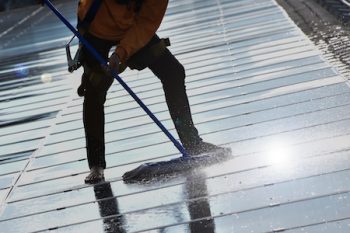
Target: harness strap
(83, 25)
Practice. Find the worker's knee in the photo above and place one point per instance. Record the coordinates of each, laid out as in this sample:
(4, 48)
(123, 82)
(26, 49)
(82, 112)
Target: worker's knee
(174, 73)
(168, 69)
(99, 80)
(95, 95)
(96, 86)
(179, 71)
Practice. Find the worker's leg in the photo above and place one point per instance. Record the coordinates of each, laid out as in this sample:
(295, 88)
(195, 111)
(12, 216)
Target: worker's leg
(172, 75)
(93, 117)
(96, 87)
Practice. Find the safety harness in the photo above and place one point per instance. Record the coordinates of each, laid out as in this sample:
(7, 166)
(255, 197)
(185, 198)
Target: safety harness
(83, 27)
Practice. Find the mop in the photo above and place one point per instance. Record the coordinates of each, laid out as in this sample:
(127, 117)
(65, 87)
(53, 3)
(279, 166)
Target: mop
(150, 170)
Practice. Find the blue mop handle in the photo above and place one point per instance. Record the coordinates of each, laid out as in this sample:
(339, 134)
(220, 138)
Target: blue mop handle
(116, 76)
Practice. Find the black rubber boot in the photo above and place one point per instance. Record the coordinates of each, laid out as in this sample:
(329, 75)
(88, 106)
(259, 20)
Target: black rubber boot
(96, 159)
(96, 175)
(206, 148)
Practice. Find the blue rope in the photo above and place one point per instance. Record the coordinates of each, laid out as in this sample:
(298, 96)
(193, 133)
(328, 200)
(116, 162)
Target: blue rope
(116, 76)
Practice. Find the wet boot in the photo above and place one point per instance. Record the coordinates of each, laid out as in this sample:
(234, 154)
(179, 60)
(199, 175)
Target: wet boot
(96, 175)
(204, 148)
(191, 140)
(95, 153)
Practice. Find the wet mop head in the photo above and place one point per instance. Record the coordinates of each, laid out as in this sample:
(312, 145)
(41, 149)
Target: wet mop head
(148, 171)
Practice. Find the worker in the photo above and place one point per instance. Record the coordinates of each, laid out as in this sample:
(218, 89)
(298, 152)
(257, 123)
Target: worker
(131, 26)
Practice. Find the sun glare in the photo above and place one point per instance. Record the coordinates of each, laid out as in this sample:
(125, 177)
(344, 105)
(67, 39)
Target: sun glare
(279, 154)
(46, 77)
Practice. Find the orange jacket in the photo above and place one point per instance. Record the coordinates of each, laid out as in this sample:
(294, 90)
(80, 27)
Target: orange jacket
(120, 23)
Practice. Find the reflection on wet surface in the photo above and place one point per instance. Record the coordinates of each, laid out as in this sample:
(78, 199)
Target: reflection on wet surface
(195, 191)
(4, 123)
(108, 207)
(196, 188)
(256, 84)
(15, 157)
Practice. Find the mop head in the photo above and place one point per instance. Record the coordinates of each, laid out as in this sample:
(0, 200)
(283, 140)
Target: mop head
(149, 171)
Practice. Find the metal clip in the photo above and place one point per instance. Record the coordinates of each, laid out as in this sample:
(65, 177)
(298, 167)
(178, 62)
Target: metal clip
(73, 64)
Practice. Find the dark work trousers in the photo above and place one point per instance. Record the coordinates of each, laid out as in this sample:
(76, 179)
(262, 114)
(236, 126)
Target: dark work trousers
(170, 72)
